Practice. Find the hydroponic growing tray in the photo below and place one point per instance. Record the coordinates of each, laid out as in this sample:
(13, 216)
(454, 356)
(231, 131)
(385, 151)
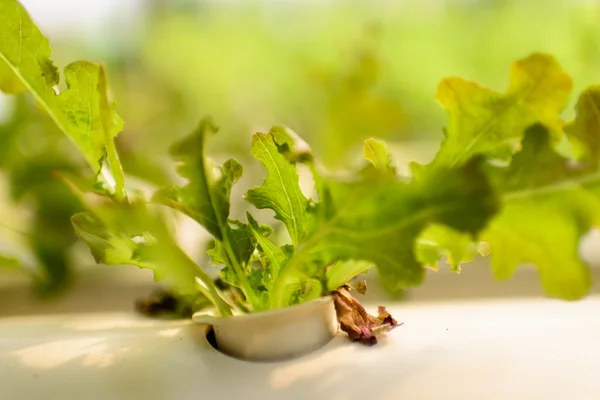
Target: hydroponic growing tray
(504, 349)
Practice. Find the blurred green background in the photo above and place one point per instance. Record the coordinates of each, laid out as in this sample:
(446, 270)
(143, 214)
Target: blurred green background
(336, 72)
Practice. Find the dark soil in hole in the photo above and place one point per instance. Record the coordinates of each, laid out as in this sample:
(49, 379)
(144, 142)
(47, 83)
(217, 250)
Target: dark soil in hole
(163, 304)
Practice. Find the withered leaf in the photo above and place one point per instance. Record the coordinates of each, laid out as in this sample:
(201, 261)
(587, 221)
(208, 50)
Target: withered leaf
(357, 322)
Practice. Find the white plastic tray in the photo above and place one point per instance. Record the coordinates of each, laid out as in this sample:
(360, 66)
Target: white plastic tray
(529, 349)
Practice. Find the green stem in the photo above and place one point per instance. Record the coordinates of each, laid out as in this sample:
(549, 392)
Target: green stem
(239, 271)
(279, 296)
(116, 171)
(213, 293)
(111, 151)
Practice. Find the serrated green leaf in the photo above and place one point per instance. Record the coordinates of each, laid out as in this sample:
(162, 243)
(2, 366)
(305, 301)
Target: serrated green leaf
(206, 196)
(243, 242)
(275, 256)
(280, 190)
(106, 248)
(377, 153)
(271, 257)
(296, 150)
(438, 242)
(82, 111)
(24, 53)
(119, 235)
(378, 220)
(291, 145)
(584, 132)
(549, 204)
(486, 122)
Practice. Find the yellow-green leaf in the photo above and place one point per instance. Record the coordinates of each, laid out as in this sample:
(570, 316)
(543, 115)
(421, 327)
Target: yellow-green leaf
(83, 111)
(439, 242)
(280, 191)
(482, 121)
(549, 205)
(584, 132)
(377, 153)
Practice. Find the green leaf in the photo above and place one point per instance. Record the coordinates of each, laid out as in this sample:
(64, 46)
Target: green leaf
(131, 235)
(24, 53)
(244, 245)
(379, 220)
(486, 122)
(82, 111)
(291, 145)
(31, 176)
(438, 242)
(8, 262)
(377, 153)
(342, 272)
(206, 196)
(118, 236)
(106, 247)
(275, 256)
(584, 132)
(549, 204)
(9, 82)
(280, 191)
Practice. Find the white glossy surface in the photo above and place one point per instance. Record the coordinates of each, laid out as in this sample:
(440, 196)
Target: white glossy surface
(492, 350)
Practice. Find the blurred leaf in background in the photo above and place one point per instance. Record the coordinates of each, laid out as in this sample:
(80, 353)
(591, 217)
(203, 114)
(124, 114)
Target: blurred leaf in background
(33, 150)
(365, 68)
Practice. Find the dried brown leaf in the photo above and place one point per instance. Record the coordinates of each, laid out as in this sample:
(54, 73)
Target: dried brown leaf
(357, 322)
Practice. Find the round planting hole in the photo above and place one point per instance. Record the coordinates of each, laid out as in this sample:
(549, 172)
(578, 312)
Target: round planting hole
(210, 336)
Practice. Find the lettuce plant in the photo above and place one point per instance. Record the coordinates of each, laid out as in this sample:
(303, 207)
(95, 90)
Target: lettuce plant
(498, 184)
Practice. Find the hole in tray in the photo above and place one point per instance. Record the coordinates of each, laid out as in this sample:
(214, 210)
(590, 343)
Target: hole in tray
(210, 336)
(212, 340)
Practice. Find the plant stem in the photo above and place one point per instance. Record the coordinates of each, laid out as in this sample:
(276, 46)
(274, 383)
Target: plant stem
(237, 268)
(111, 151)
(116, 171)
(209, 286)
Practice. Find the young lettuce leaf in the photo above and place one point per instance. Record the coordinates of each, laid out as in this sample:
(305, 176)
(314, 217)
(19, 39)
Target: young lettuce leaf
(342, 272)
(492, 125)
(280, 191)
(205, 198)
(377, 153)
(439, 242)
(379, 221)
(486, 122)
(82, 111)
(584, 131)
(272, 259)
(549, 204)
(548, 201)
(130, 234)
(376, 217)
